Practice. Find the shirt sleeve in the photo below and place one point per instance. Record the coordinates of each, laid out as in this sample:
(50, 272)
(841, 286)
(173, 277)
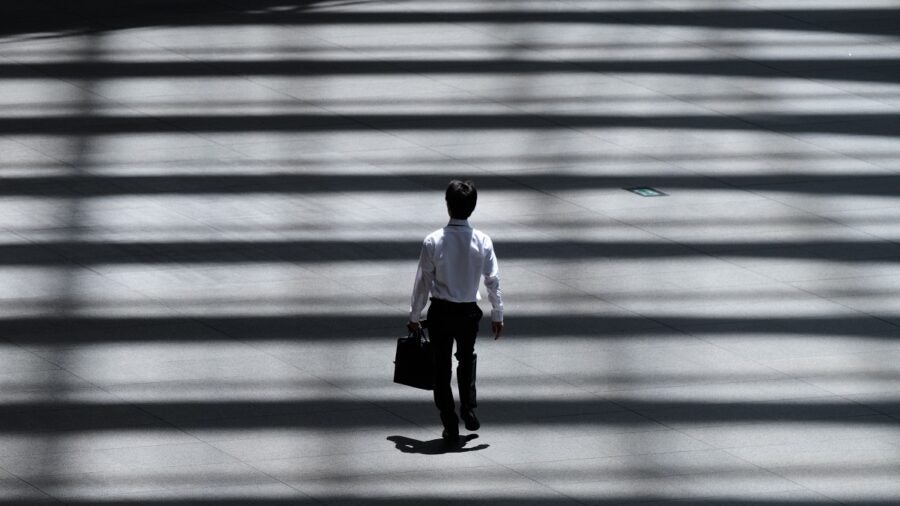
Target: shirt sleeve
(422, 284)
(491, 271)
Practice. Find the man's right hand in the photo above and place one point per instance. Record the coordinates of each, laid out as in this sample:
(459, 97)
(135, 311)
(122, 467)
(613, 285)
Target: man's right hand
(497, 329)
(413, 326)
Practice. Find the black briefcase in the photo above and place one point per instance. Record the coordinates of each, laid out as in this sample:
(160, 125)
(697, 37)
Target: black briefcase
(414, 361)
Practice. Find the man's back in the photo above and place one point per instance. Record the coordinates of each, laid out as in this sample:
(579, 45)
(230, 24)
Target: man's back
(461, 255)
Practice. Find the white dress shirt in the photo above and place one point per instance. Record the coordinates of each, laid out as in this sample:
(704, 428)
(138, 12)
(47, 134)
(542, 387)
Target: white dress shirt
(451, 265)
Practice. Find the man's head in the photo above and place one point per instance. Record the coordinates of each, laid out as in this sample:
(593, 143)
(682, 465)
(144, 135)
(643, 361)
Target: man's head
(461, 197)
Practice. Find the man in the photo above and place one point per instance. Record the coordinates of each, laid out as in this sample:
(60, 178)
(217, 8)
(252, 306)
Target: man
(452, 262)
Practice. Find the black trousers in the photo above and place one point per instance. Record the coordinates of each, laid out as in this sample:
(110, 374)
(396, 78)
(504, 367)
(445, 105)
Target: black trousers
(449, 321)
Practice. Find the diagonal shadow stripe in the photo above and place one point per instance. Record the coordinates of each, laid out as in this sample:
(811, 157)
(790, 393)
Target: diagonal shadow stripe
(493, 500)
(325, 414)
(71, 330)
(298, 67)
(880, 124)
(310, 183)
(317, 251)
(101, 15)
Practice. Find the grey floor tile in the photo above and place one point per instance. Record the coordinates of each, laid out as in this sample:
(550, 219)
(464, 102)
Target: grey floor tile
(757, 484)
(784, 344)
(51, 415)
(162, 456)
(296, 472)
(784, 432)
(606, 490)
(46, 443)
(553, 157)
(305, 444)
(844, 194)
(709, 394)
(880, 402)
(719, 228)
(349, 138)
(461, 484)
(798, 264)
(50, 463)
(832, 457)
(508, 134)
(873, 485)
(274, 492)
(16, 362)
(532, 493)
(631, 467)
(209, 481)
(601, 444)
(336, 424)
(877, 222)
(147, 370)
(15, 489)
(845, 374)
(566, 418)
(693, 414)
(871, 295)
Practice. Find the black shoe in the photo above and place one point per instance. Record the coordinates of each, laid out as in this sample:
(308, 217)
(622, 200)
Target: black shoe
(471, 421)
(451, 426)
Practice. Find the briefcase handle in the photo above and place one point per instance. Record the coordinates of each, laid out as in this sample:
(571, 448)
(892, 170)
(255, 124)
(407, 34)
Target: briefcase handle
(420, 336)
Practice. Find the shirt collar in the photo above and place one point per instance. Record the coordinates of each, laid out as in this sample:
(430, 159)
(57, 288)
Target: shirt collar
(458, 223)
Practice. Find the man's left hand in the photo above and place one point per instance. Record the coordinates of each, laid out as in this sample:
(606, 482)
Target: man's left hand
(496, 329)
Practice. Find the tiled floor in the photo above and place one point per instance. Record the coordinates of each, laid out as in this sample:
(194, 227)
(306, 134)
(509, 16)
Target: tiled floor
(210, 214)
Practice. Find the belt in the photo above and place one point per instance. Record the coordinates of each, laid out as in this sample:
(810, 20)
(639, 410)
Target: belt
(442, 302)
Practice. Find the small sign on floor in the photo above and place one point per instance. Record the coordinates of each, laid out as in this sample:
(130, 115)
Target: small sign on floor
(646, 191)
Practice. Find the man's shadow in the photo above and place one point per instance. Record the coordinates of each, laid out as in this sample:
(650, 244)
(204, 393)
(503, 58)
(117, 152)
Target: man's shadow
(435, 446)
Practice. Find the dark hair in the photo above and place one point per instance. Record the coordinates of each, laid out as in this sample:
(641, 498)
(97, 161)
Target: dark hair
(461, 197)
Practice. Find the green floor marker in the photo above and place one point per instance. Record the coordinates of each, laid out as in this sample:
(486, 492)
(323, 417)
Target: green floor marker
(646, 191)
